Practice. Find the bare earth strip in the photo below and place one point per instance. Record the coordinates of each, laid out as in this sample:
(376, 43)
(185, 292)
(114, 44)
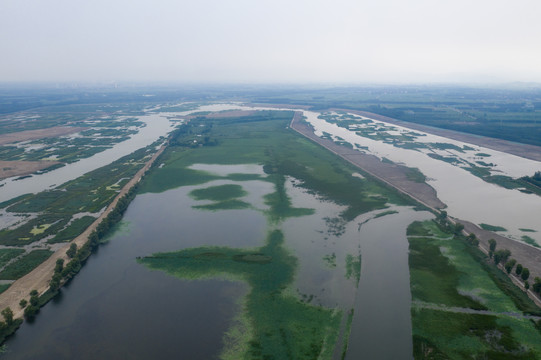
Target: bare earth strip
(38, 134)
(394, 175)
(458, 310)
(531, 152)
(39, 278)
(19, 168)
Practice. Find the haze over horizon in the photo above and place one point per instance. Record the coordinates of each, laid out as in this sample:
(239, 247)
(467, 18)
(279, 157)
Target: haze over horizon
(241, 41)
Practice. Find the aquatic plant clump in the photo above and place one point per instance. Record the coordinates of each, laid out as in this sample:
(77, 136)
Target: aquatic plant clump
(276, 321)
(282, 326)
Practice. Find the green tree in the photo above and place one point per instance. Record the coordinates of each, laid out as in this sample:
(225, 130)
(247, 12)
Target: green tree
(30, 311)
(526, 285)
(23, 303)
(509, 265)
(501, 256)
(525, 274)
(59, 266)
(55, 281)
(491, 247)
(34, 299)
(7, 313)
(72, 250)
(442, 217)
(458, 228)
(518, 269)
(537, 285)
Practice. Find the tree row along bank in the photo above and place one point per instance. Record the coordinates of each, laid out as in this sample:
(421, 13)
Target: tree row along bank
(424, 194)
(39, 279)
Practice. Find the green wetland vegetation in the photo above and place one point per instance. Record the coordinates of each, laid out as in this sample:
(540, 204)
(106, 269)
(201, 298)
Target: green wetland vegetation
(278, 324)
(276, 321)
(450, 280)
(461, 301)
(100, 130)
(54, 209)
(26, 264)
(442, 151)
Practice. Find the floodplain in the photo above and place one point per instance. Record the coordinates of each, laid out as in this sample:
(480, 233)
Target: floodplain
(247, 240)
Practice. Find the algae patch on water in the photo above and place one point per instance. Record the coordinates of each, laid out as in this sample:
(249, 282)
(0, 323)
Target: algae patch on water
(282, 326)
(218, 193)
(224, 197)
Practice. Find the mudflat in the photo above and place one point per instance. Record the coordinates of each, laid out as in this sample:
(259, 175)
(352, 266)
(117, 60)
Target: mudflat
(20, 168)
(38, 134)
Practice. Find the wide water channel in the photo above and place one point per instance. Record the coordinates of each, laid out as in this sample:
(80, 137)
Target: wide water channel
(116, 308)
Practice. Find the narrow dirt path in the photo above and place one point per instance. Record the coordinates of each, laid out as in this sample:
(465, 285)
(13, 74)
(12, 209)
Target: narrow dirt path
(459, 310)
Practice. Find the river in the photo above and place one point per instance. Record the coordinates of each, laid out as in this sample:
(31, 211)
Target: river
(156, 125)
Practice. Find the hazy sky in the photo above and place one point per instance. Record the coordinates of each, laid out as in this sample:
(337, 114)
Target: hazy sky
(256, 41)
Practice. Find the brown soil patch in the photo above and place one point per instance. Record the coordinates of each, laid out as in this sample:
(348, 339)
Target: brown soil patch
(20, 168)
(38, 134)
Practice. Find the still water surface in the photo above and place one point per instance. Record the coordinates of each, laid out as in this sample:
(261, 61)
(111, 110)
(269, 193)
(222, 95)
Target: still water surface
(116, 308)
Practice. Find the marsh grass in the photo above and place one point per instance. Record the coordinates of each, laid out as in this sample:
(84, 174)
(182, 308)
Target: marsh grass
(4, 287)
(353, 268)
(232, 204)
(267, 141)
(7, 254)
(445, 335)
(492, 227)
(218, 193)
(87, 193)
(25, 264)
(73, 230)
(450, 272)
(529, 240)
(280, 325)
